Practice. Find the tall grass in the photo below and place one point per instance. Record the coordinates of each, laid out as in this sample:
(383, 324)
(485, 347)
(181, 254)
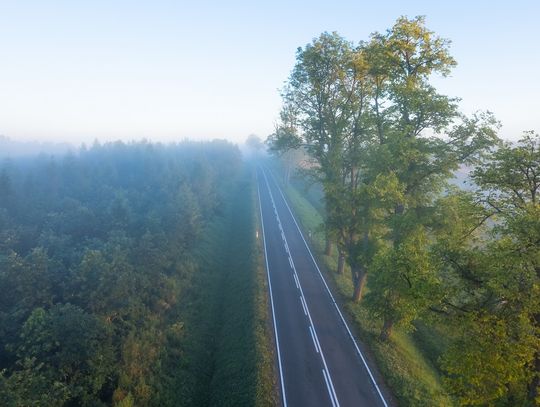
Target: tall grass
(221, 354)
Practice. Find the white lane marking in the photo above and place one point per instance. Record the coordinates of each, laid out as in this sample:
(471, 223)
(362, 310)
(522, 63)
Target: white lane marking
(303, 305)
(330, 382)
(284, 397)
(319, 345)
(313, 337)
(290, 262)
(326, 379)
(332, 387)
(329, 292)
(296, 281)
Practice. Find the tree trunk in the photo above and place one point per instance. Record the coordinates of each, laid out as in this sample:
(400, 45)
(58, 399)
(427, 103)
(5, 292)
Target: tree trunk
(287, 174)
(328, 247)
(386, 330)
(359, 277)
(341, 262)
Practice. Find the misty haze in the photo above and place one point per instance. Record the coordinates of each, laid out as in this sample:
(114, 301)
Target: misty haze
(269, 204)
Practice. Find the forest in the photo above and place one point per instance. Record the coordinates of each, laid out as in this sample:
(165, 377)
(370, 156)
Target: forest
(452, 272)
(132, 273)
(116, 270)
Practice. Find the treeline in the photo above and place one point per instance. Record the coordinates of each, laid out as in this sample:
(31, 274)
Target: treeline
(98, 252)
(384, 144)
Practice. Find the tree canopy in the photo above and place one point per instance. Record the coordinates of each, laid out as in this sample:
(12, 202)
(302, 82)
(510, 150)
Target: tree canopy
(384, 145)
(97, 250)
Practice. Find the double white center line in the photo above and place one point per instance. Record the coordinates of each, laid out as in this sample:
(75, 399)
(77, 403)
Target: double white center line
(311, 327)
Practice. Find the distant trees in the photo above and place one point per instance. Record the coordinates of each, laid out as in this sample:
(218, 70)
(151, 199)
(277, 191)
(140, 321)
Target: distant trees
(254, 143)
(93, 249)
(384, 144)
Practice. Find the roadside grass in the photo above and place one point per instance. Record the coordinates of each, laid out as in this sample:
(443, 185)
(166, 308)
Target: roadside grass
(267, 382)
(223, 352)
(243, 371)
(408, 360)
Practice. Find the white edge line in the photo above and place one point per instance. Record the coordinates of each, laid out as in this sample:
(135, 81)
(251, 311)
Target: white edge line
(283, 396)
(332, 297)
(307, 308)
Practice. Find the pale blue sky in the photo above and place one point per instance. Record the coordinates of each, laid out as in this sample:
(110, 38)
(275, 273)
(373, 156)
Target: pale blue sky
(77, 70)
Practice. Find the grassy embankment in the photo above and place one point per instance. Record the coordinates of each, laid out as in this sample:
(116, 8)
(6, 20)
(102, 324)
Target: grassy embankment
(223, 355)
(408, 361)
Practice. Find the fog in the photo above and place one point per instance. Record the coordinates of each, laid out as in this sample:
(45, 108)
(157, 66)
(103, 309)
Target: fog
(15, 148)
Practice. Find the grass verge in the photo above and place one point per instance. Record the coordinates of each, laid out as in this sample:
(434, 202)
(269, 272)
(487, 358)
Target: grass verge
(410, 375)
(220, 353)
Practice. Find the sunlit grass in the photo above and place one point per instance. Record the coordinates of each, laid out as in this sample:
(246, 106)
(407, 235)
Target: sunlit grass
(407, 371)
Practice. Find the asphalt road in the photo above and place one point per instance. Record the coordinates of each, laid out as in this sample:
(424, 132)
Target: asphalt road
(319, 361)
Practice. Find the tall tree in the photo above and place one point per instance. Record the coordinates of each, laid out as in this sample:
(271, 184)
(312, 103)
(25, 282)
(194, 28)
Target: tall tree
(420, 140)
(487, 250)
(315, 111)
(370, 119)
(324, 105)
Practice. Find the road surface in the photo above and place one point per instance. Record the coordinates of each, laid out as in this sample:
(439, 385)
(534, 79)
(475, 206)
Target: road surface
(319, 362)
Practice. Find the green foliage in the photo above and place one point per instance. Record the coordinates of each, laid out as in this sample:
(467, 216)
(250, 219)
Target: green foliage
(370, 120)
(68, 347)
(29, 386)
(402, 285)
(495, 283)
(101, 275)
(411, 377)
(474, 267)
(383, 145)
(221, 353)
(126, 401)
(511, 179)
(485, 364)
